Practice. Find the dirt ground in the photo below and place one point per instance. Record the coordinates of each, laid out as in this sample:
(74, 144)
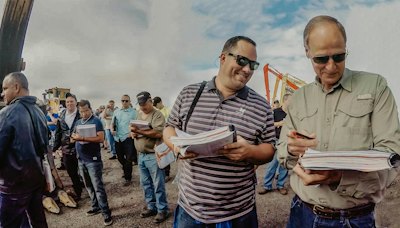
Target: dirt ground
(126, 203)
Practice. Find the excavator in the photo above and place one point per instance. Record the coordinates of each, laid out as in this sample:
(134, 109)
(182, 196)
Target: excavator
(284, 83)
(12, 36)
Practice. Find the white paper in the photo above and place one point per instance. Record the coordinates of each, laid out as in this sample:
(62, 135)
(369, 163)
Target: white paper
(167, 155)
(87, 130)
(141, 124)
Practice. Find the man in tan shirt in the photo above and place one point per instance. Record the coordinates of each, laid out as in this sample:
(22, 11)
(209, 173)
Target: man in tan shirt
(341, 110)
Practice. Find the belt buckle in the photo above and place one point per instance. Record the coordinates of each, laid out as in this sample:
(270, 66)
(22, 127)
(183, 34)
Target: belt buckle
(317, 209)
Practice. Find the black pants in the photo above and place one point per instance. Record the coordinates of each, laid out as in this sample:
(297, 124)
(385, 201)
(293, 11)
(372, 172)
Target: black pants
(126, 154)
(71, 164)
(167, 170)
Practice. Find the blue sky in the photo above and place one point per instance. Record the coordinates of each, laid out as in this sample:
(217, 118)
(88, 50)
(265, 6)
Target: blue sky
(103, 49)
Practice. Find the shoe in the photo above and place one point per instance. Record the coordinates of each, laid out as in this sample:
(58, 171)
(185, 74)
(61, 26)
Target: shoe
(264, 191)
(127, 182)
(161, 217)
(113, 157)
(108, 221)
(93, 212)
(167, 179)
(148, 213)
(283, 191)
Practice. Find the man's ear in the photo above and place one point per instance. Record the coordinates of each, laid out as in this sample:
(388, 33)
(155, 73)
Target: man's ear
(307, 52)
(222, 58)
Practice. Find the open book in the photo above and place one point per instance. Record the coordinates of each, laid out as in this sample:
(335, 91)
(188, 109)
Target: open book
(205, 144)
(365, 161)
(87, 130)
(141, 124)
(165, 155)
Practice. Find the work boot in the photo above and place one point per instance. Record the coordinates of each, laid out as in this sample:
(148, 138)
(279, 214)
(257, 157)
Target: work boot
(148, 213)
(161, 217)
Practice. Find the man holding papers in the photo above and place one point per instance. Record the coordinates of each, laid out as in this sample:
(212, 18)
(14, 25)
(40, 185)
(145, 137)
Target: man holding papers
(89, 134)
(220, 190)
(343, 110)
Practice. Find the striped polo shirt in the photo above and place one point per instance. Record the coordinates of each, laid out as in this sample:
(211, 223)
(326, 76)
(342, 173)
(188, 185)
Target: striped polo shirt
(217, 189)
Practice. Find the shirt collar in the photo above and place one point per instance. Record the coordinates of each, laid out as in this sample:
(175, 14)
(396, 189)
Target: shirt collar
(242, 93)
(345, 81)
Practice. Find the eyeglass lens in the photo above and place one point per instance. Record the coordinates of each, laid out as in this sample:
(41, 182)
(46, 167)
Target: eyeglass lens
(243, 61)
(324, 59)
(124, 100)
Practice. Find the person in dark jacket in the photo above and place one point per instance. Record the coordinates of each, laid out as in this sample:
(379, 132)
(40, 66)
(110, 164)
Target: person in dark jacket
(23, 140)
(65, 127)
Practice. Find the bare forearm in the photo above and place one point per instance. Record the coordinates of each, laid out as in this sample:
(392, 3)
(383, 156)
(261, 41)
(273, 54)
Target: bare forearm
(167, 133)
(261, 154)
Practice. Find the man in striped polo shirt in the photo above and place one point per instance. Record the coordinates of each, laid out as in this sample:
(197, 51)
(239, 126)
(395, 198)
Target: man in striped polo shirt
(221, 190)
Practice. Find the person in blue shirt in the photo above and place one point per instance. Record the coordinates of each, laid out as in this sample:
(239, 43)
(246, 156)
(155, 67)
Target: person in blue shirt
(124, 145)
(89, 160)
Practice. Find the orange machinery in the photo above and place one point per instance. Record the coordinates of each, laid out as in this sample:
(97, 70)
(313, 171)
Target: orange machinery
(289, 83)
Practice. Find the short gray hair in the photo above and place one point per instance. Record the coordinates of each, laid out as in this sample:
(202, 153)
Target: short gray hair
(18, 78)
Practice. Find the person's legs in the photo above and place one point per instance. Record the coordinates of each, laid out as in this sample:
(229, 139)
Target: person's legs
(35, 211)
(270, 173)
(95, 171)
(249, 220)
(147, 183)
(89, 186)
(282, 174)
(182, 219)
(111, 142)
(126, 165)
(158, 180)
(71, 164)
(300, 215)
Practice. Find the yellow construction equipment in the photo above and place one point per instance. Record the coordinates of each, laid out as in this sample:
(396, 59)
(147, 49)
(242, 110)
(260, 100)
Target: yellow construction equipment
(55, 97)
(289, 83)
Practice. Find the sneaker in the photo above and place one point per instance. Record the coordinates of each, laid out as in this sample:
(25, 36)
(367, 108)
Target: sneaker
(93, 212)
(148, 213)
(113, 157)
(264, 191)
(108, 221)
(283, 191)
(161, 217)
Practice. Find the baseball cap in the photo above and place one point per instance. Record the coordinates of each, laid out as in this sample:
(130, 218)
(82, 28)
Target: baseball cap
(142, 97)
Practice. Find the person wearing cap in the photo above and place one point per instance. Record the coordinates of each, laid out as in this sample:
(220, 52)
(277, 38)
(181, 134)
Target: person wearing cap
(23, 142)
(342, 110)
(65, 127)
(124, 145)
(220, 191)
(151, 176)
(157, 102)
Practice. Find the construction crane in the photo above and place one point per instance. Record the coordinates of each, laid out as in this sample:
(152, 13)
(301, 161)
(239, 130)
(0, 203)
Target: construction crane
(289, 83)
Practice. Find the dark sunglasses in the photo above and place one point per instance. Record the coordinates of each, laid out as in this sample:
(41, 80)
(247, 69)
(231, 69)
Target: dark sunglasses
(243, 61)
(338, 58)
(124, 100)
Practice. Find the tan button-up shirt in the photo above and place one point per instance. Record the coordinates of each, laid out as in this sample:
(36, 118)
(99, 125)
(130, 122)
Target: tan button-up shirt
(359, 113)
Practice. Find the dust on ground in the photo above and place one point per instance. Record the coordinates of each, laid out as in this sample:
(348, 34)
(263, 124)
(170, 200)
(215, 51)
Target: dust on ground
(126, 203)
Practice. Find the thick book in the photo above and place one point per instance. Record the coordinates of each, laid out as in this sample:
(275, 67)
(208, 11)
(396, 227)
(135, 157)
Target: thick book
(87, 130)
(365, 161)
(141, 124)
(205, 144)
(165, 155)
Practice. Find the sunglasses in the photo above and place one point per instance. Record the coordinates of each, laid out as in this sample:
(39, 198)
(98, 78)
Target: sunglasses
(243, 61)
(338, 58)
(124, 100)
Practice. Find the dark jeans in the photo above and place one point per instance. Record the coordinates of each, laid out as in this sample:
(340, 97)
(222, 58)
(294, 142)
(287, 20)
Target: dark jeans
(92, 173)
(71, 164)
(167, 170)
(302, 216)
(126, 154)
(15, 208)
(183, 220)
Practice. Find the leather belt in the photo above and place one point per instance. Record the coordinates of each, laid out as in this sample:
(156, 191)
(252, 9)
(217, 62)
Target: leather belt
(330, 213)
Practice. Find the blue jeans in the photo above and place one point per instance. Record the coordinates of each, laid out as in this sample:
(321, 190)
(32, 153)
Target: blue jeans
(152, 179)
(92, 173)
(270, 174)
(16, 208)
(302, 216)
(183, 220)
(111, 142)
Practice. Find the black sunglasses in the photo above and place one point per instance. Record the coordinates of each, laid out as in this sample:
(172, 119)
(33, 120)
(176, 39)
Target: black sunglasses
(124, 100)
(243, 61)
(338, 58)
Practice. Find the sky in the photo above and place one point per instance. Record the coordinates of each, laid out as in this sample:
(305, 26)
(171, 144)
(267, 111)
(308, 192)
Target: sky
(102, 49)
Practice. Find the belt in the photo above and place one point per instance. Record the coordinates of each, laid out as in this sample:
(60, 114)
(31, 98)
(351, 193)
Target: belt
(330, 213)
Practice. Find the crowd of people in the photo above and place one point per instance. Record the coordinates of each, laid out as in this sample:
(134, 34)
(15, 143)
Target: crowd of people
(341, 110)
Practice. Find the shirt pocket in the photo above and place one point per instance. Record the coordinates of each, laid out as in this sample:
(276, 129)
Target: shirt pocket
(306, 118)
(353, 124)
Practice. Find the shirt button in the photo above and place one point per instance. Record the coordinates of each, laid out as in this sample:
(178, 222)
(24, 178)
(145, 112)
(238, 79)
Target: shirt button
(327, 120)
(325, 145)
